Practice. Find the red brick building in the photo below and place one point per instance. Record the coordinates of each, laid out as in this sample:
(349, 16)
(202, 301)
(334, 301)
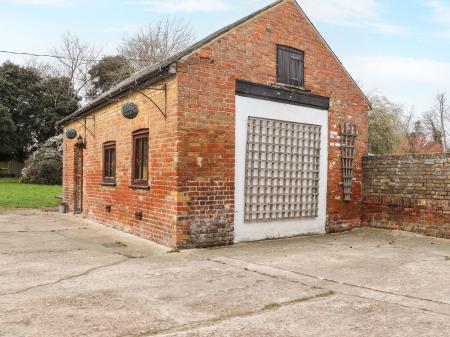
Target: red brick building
(239, 137)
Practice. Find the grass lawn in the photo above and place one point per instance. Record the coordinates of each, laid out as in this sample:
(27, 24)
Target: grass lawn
(16, 195)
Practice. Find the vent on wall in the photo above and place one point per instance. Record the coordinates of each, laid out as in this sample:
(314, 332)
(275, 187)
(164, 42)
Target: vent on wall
(138, 215)
(348, 140)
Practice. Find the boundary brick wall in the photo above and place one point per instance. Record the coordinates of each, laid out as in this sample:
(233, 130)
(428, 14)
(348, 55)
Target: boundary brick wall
(408, 192)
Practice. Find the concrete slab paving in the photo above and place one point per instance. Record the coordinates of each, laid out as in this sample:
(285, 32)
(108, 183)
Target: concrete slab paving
(63, 276)
(387, 260)
(331, 316)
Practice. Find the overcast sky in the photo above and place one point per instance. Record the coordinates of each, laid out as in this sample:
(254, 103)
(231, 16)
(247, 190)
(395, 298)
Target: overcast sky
(399, 48)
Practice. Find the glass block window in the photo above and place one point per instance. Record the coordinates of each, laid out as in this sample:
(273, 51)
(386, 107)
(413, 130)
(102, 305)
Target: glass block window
(282, 170)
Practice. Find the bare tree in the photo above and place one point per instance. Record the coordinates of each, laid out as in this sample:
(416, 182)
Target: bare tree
(444, 116)
(436, 121)
(156, 42)
(75, 58)
(432, 127)
(44, 69)
(386, 126)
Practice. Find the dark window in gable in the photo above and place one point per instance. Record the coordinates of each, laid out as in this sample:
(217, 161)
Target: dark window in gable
(290, 66)
(140, 158)
(109, 162)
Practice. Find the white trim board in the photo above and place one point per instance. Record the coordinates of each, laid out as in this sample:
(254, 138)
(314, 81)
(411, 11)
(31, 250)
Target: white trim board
(253, 107)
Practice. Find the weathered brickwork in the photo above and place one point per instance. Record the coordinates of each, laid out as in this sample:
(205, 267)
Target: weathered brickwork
(206, 84)
(158, 204)
(192, 154)
(408, 192)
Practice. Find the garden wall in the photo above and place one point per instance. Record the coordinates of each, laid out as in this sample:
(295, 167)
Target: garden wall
(408, 192)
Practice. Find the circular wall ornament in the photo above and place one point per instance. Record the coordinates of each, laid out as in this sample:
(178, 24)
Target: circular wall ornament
(130, 110)
(71, 133)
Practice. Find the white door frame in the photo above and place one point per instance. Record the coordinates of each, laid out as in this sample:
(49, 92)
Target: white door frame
(253, 107)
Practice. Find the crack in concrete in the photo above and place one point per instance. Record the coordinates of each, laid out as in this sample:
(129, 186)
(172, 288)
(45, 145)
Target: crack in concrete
(217, 320)
(44, 231)
(350, 285)
(85, 273)
(262, 273)
(42, 251)
(130, 255)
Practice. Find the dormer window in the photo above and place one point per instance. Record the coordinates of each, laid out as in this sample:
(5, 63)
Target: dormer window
(290, 66)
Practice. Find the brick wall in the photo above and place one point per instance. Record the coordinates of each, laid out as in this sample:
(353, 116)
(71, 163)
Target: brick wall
(206, 85)
(408, 192)
(192, 155)
(158, 204)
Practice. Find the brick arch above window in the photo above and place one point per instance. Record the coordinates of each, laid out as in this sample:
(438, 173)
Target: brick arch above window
(141, 131)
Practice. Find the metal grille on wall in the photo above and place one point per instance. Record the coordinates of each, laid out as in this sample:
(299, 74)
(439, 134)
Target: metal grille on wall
(348, 140)
(282, 170)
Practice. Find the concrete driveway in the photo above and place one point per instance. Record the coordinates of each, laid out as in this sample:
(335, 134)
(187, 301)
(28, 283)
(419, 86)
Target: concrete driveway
(62, 276)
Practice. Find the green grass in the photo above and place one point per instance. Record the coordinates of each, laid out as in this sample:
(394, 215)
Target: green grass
(14, 194)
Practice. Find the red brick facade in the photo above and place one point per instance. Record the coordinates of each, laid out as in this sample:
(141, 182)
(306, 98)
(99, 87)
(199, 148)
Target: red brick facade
(159, 204)
(192, 154)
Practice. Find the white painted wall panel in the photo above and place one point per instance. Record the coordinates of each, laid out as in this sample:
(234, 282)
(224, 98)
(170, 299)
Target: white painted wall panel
(251, 107)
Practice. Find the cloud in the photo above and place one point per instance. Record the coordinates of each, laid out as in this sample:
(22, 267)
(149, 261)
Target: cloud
(413, 70)
(40, 2)
(440, 11)
(440, 15)
(183, 5)
(362, 13)
(411, 81)
(442, 34)
(366, 14)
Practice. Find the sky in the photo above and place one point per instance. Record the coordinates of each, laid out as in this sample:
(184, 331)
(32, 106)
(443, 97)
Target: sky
(396, 48)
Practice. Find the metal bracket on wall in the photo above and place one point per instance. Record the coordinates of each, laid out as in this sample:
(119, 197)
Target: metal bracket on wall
(84, 125)
(161, 88)
(80, 143)
(348, 140)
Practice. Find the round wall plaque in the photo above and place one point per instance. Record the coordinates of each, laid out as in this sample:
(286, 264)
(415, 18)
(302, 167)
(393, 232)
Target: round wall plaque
(130, 110)
(71, 133)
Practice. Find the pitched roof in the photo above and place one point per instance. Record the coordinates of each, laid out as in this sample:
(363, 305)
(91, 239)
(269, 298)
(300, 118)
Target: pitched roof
(155, 70)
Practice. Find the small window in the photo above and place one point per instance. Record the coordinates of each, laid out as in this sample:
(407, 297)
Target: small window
(140, 158)
(290, 66)
(109, 162)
